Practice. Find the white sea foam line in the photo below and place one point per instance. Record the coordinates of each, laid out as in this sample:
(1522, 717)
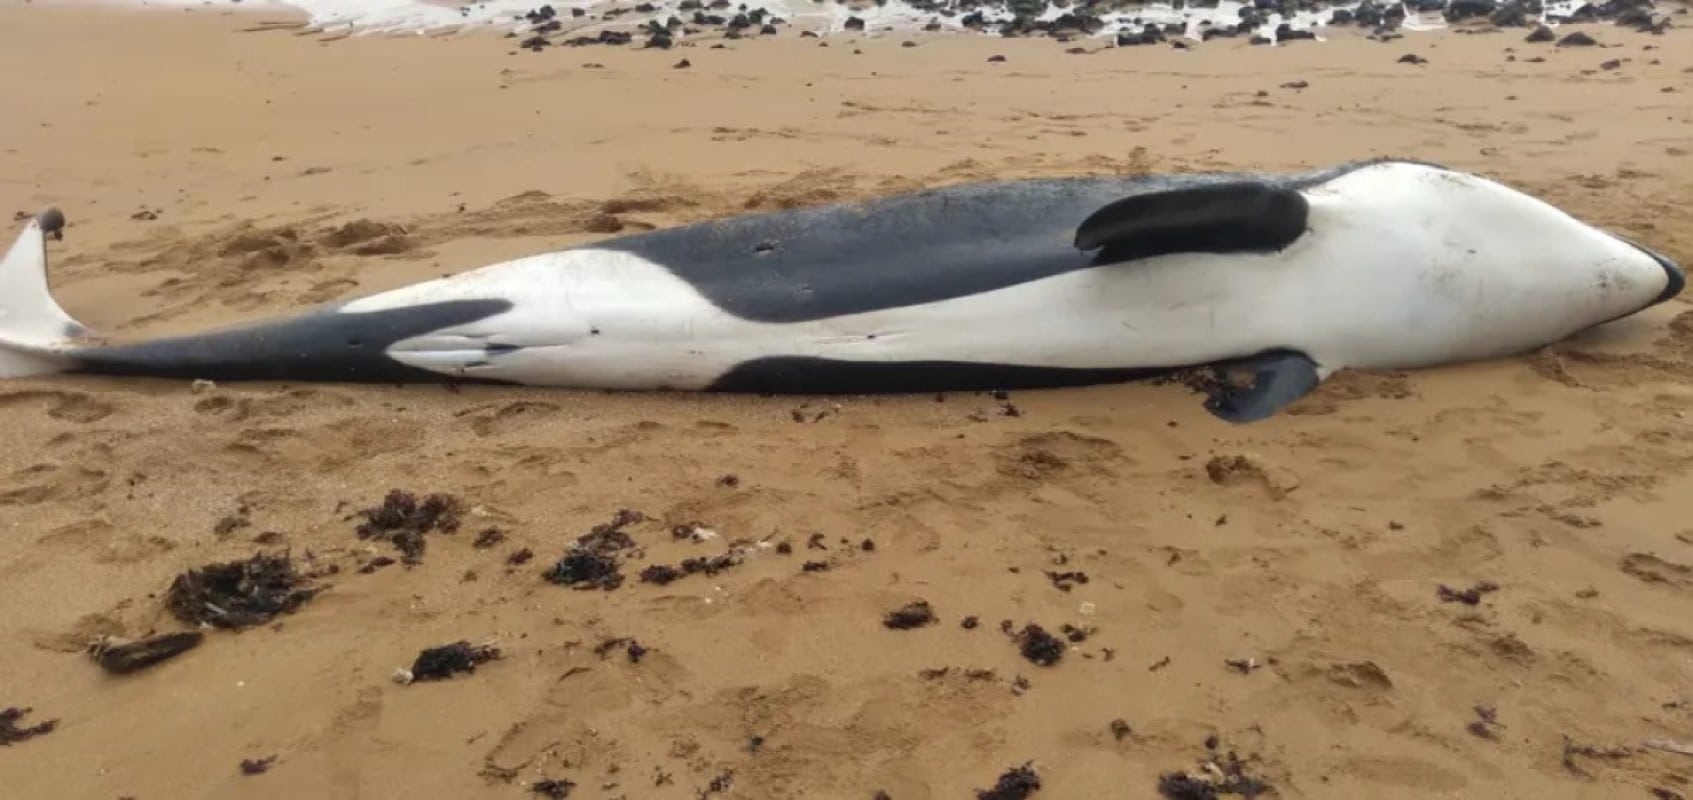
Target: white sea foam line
(829, 17)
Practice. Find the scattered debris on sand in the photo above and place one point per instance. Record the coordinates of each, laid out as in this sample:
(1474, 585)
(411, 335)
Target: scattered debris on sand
(973, 673)
(10, 733)
(1065, 581)
(591, 562)
(1075, 634)
(662, 574)
(719, 784)
(1216, 776)
(915, 614)
(403, 519)
(634, 649)
(692, 532)
(441, 663)
(232, 523)
(488, 538)
(1016, 783)
(257, 766)
(554, 788)
(1471, 596)
(121, 657)
(1573, 749)
(375, 564)
(1487, 718)
(1663, 745)
(1244, 666)
(239, 594)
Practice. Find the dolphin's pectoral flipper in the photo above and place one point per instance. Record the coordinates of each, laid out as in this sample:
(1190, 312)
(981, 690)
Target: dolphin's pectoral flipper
(1278, 379)
(1229, 217)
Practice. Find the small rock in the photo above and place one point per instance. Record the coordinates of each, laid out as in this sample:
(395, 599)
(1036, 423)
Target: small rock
(257, 766)
(913, 615)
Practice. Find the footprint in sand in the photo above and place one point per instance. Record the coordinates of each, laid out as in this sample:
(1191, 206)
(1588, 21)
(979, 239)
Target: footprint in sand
(1240, 470)
(1049, 455)
(1652, 569)
(69, 406)
(496, 419)
(51, 483)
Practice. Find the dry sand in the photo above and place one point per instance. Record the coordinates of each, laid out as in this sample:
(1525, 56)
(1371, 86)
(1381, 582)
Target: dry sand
(1313, 543)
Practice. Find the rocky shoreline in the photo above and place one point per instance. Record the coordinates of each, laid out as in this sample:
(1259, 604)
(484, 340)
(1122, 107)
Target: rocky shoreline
(1263, 22)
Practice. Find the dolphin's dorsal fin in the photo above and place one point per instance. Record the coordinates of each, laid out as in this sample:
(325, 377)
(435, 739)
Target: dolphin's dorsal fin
(1224, 217)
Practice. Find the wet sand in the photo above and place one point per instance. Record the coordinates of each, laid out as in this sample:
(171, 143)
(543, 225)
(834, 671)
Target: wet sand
(216, 169)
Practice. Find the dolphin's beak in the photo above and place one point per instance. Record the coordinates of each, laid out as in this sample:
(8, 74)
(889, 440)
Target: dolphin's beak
(1677, 277)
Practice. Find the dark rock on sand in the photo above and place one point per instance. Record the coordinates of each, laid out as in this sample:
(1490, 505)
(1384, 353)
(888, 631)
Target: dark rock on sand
(1511, 15)
(1129, 39)
(1469, 9)
(1286, 33)
(1368, 14)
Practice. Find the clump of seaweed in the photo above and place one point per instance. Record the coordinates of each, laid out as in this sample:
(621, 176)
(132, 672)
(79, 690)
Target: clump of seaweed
(239, 594)
(403, 519)
(591, 562)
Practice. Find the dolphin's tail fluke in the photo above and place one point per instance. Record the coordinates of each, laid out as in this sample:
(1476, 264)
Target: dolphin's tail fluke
(34, 331)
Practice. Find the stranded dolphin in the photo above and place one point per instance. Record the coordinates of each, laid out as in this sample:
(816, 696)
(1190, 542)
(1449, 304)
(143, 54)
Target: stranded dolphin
(1383, 264)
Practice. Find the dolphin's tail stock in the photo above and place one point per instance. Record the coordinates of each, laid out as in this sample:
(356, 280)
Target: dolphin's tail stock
(34, 330)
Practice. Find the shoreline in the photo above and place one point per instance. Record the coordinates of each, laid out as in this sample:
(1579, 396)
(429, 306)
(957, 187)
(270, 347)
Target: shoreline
(1148, 23)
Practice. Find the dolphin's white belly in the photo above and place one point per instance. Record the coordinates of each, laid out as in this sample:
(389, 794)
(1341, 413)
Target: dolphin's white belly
(611, 320)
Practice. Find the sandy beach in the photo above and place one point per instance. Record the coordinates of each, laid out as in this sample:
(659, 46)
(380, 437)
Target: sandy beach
(1292, 593)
